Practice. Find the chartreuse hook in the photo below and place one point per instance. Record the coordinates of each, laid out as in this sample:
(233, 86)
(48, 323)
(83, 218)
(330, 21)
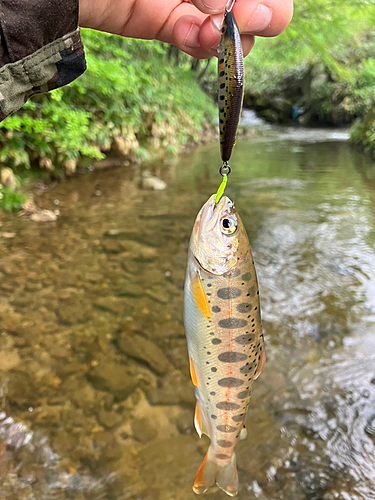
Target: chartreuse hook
(224, 172)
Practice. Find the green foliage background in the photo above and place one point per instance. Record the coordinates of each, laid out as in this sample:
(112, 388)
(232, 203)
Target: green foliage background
(145, 99)
(129, 93)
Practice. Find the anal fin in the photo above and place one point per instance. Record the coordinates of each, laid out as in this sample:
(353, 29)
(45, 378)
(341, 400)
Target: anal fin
(261, 363)
(200, 422)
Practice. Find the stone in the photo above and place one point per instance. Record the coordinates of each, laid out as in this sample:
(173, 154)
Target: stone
(173, 389)
(112, 378)
(109, 419)
(9, 360)
(113, 305)
(43, 216)
(151, 182)
(144, 350)
(143, 430)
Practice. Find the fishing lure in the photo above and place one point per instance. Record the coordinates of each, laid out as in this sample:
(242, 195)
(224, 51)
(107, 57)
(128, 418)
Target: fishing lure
(231, 83)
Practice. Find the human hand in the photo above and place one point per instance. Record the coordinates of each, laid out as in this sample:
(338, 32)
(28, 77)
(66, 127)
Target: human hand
(193, 25)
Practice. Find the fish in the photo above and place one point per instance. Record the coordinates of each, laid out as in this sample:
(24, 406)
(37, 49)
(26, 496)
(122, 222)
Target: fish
(224, 336)
(231, 84)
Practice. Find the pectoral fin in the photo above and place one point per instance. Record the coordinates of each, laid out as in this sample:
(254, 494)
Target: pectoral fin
(193, 375)
(199, 296)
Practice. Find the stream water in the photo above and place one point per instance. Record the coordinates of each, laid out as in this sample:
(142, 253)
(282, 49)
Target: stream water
(95, 396)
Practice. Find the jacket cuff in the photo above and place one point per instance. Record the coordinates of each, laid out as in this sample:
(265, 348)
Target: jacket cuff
(54, 65)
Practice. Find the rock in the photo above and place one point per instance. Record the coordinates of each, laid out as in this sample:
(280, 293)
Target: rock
(144, 350)
(7, 236)
(113, 305)
(73, 311)
(7, 178)
(9, 360)
(143, 430)
(109, 419)
(174, 389)
(43, 216)
(151, 182)
(112, 378)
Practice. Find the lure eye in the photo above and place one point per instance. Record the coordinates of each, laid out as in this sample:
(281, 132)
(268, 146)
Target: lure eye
(228, 225)
(223, 30)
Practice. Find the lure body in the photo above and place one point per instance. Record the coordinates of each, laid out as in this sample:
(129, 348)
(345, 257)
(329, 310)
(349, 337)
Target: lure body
(224, 335)
(231, 84)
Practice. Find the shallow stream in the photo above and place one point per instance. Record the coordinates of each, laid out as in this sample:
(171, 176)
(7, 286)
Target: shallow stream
(95, 396)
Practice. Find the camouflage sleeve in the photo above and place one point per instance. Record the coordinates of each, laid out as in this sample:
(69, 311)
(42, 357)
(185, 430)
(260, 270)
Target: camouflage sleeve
(40, 49)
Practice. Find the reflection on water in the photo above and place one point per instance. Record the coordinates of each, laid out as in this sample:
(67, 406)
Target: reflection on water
(95, 397)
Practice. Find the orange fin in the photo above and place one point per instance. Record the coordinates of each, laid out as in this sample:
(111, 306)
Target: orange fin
(261, 363)
(200, 422)
(193, 375)
(227, 478)
(205, 477)
(199, 296)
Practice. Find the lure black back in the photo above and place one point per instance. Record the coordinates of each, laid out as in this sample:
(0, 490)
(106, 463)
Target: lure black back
(231, 83)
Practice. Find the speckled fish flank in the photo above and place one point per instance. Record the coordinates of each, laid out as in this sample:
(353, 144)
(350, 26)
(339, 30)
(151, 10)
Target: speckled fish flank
(225, 342)
(231, 83)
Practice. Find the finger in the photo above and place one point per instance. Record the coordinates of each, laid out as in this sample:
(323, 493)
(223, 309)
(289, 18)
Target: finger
(187, 37)
(210, 6)
(265, 18)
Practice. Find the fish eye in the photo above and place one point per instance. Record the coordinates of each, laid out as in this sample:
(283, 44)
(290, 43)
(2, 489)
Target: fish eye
(228, 225)
(223, 30)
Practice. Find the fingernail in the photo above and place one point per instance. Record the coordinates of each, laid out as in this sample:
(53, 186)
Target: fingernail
(260, 21)
(217, 23)
(192, 37)
(213, 7)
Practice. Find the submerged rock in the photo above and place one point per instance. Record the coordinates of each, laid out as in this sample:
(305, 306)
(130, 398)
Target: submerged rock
(144, 350)
(113, 378)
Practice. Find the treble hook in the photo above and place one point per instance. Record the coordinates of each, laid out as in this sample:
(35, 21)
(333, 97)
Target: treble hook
(229, 5)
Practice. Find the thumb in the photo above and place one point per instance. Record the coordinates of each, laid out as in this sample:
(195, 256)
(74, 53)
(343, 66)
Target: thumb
(210, 6)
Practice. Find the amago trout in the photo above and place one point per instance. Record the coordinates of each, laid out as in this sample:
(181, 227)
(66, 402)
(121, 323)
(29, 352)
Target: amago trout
(224, 336)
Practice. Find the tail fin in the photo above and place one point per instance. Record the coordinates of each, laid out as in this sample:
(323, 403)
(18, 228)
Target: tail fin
(210, 472)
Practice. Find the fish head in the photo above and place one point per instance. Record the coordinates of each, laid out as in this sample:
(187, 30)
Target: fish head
(219, 240)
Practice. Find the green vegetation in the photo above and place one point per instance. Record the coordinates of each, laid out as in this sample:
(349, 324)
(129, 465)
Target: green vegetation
(324, 63)
(130, 100)
(144, 99)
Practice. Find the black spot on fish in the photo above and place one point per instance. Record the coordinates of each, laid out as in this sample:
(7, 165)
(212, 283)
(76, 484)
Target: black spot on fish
(230, 292)
(213, 369)
(222, 98)
(212, 393)
(238, 418)
(223, 443)
(245, 339)
(216, 309)
(248, 367)
(222, 73)
(244, 308)
(251, 291)
(230, 382)
(221, 61)
(242, 394)
(232, 274)
(231, 357)
(214, 417)
(222, 85)
(226, 428)
(227, 405)
(232, 323)
(216, 341)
